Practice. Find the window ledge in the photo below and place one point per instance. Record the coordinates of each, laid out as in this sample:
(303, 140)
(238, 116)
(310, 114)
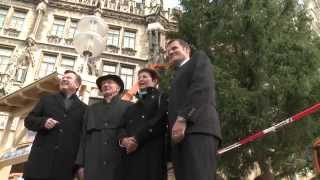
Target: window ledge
(68, 41)
(129, 51)
(54, 39)
(11, 31)
(112, 49)
(17, 83)
(113, 46)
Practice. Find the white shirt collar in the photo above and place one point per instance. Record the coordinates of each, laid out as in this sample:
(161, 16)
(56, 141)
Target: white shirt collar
(183, 62)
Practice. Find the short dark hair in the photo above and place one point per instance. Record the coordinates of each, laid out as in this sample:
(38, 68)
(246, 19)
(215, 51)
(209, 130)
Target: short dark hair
(181, 42)
(154, 75)
(78, 77)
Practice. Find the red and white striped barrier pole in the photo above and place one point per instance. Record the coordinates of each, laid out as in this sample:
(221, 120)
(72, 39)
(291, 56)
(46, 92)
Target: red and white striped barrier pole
(263, 133)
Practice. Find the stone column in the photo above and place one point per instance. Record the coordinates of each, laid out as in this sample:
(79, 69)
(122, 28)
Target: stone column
(31, 40)
(41, 9)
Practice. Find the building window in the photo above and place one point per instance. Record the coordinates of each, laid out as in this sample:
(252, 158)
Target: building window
(3, 15)
(125, 3)
(67, 63)
(3, 120)
(17, 20)
(126, 74)
(5, 56)
(21, 74)
(14, 124)
(113, 37)
(58, 27)
(72, 29)
(109, 68)
(47, 65)
(129, 40)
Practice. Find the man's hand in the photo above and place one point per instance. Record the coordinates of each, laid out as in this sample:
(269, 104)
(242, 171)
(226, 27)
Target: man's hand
(50, 123)
(130, 143)
(132, 146)
(178, 130)
(80, 173)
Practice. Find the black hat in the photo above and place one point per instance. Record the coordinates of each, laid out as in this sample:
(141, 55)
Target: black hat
(115, 78)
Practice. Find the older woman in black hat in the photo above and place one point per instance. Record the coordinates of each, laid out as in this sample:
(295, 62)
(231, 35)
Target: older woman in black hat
(99, 155)
(143, 135)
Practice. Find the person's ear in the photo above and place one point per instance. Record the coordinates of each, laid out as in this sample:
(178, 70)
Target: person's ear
(188, 50)
(118, 89)
(156, 81)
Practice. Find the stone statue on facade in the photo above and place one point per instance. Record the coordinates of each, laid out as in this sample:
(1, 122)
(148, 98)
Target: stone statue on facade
(92, 67)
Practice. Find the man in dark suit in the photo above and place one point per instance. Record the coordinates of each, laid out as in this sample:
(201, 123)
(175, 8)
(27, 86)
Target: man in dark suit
(193, 119)
(57, 119)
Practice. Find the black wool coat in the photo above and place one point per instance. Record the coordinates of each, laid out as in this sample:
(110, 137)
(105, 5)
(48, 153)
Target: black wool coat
(99, 152)
(192, 96)
(146, 120)
(54, 151)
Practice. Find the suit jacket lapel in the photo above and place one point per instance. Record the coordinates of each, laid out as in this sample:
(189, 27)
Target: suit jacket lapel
(76, 102)
(59, 100)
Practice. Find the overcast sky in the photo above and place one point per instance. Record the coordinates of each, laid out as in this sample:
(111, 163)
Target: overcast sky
(170, 3)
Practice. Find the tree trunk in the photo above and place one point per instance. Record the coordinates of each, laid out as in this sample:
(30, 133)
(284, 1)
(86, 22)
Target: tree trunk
(265, 171)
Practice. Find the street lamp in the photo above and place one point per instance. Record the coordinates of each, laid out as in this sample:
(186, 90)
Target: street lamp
(90, 38)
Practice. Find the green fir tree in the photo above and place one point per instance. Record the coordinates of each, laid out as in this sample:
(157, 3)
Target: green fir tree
(266, 63)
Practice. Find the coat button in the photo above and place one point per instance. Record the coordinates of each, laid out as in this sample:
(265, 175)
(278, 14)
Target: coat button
(142, 116)
(150, 130)
(56, 147)
(105, 163)
(106, 124)
(61, 130)
(105, 142)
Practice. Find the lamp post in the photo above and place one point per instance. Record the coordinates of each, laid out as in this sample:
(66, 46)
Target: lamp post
(90, 38)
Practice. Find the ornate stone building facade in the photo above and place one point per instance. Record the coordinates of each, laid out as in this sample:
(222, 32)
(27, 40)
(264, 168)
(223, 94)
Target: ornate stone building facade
(36, 45)
(36, 37)
(313, 7)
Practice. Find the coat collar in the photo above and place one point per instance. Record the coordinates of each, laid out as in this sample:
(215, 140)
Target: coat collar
(144, 92)
(60, 100)
(114, 100)
(73, 96)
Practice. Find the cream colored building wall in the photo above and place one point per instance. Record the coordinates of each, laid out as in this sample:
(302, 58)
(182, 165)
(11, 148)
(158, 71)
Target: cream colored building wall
(142, 44)
(45, 29)
(313, 7)
(29, 17)
(135, 22)
(43, 45)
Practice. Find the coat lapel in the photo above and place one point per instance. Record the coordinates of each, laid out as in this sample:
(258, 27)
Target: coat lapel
(59, 100)
(76, 102)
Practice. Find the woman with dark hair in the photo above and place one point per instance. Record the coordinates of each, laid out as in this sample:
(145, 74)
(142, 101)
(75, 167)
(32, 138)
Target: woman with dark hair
(143, 133)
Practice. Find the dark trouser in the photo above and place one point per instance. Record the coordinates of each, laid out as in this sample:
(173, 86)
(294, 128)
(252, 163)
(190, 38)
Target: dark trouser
(195, 157)
(36, 179)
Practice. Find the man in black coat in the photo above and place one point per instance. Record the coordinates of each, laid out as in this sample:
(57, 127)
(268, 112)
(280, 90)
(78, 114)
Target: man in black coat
(100, 155)
(57, 119)
(193, 120)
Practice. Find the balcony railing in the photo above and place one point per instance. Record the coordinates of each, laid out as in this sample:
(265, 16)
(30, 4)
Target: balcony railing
(126, 6)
